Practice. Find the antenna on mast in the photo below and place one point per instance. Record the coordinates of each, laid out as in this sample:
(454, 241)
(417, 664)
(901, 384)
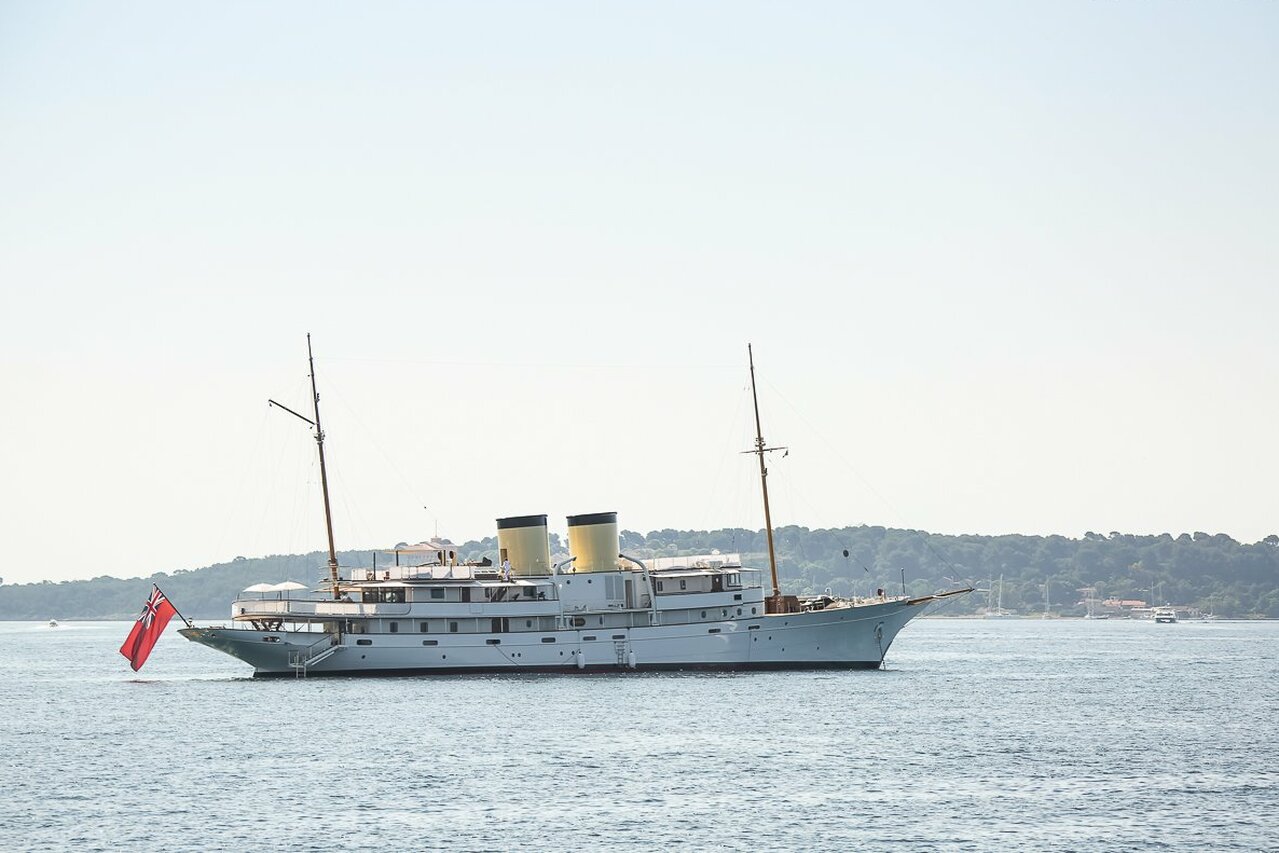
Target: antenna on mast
(324, 475)
(774, 604)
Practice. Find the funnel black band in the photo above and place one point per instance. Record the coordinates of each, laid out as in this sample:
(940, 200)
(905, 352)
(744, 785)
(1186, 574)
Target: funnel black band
(521, 521)
(592, 518)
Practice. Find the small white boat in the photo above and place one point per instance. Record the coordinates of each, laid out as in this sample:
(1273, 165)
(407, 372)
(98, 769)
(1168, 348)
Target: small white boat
(53, 623)
(1165, 615)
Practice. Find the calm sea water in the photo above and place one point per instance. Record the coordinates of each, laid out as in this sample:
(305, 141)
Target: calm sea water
(980, 735)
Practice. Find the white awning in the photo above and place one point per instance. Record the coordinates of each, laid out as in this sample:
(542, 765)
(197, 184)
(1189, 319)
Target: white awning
(286, 586)
(260, 587)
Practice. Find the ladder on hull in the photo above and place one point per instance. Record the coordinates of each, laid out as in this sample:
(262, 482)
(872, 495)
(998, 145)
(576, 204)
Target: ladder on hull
(302, 661)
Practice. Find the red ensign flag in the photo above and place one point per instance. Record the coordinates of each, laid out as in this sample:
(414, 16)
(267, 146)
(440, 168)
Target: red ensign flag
(150, 625)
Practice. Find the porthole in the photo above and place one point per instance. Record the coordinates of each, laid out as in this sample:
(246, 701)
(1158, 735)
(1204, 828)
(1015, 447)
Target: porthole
(753, 611)
(703, 614)
(739, 611)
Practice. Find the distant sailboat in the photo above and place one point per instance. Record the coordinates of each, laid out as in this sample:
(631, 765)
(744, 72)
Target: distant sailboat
(998, 612)
(1090, 602)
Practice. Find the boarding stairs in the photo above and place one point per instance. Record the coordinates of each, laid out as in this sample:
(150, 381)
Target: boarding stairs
(303, 660)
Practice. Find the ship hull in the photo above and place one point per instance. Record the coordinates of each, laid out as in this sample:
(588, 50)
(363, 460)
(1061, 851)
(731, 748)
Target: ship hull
(836, 638)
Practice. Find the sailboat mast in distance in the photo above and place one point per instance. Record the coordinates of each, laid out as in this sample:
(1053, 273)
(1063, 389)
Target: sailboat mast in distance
(759, 451)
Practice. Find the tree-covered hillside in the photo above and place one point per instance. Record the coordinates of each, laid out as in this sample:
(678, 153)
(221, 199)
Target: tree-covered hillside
(1213, 572)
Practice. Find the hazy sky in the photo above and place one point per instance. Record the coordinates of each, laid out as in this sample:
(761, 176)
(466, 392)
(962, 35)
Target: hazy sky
(1007, 267)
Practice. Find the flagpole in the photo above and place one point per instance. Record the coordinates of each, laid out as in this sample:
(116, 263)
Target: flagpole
(175, 609)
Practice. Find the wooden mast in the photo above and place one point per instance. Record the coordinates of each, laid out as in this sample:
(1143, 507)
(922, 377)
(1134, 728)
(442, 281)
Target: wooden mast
(324, 474)
(760, 450)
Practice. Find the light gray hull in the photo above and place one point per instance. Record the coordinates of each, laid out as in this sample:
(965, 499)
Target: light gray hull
(849, 637)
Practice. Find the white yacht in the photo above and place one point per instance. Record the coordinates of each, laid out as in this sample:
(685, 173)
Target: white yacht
(597, 610)
(1165, 615)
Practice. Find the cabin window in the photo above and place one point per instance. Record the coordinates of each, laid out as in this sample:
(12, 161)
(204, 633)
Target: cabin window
(494, 642)
(703, 614)
(752, 611)
(466, 593)
(364, 642)
(548, 639)
(737, 597)
(619, 636)
(739, 611)
(496, 625)
(659, 586)
(422, 626)
(578, 622)
(589, 637)
(369, 596)
(395, 627)
(437, 593)
(528, 623)
(430, 642)
(723, 613)
(683, 584)
(452, 627)
(713, 631)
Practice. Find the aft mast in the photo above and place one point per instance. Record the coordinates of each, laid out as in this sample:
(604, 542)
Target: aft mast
(324, 476)
(774, 603)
